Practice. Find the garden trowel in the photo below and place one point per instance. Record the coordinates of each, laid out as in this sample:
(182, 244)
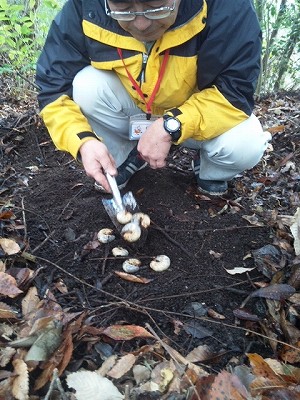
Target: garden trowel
(118, 203)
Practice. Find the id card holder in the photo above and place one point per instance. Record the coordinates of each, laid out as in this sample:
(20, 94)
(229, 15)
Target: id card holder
(138, 125)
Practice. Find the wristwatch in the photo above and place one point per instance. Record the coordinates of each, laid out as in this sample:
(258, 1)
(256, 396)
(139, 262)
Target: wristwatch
(172, 125)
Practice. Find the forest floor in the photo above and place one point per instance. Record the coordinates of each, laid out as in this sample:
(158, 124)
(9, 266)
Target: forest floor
(222, 250)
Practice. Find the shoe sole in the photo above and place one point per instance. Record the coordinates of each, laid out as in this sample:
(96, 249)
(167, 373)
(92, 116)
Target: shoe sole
(221, 193)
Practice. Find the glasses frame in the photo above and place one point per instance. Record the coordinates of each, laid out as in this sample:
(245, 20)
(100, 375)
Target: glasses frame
(131, 15)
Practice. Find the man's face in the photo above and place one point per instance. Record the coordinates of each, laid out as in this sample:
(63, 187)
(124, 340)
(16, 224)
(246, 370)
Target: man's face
(142, 28)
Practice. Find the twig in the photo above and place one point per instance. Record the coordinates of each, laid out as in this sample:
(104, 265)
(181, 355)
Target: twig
(104, 262)
(106, 279)
(155, 226)
(227, 229)
(127, 392)
(43, 242)
(55, 382)
(24, 219)
(27, 80)
(67, 205)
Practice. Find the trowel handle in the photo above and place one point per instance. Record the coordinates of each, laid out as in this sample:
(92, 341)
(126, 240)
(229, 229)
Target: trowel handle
(115, 190)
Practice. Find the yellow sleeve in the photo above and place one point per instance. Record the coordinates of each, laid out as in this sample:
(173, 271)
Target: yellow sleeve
(207, 114)
(66, 123)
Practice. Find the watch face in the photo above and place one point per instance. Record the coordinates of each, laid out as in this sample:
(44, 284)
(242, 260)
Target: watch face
(173, 125)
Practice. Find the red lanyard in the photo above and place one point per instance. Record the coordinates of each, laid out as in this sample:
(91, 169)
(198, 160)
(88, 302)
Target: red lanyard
(157, 85)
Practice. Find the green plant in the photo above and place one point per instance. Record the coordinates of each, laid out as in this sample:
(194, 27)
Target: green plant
(23, 27)
(279, 20)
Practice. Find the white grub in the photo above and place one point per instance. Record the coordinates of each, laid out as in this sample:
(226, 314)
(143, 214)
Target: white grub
(119, 251)
(105, 235)
(142, 219)
(131, 232)
(160, 263)
(131, 265)
(124, 217)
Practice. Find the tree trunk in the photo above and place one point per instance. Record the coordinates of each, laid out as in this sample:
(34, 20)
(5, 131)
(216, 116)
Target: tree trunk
(287, 52)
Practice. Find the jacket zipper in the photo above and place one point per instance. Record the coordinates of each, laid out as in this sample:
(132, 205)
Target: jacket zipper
(143, 71)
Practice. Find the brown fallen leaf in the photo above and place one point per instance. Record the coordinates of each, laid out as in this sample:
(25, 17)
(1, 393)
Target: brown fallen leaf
(265, 376)
(223, 386)
(123, 365)
(6, 354)
(214, 314)
(8, 285)
(126, 332)
(9, 246)
(6, 312)
(253, 220)
(289, 354)
(30, 301)
(20, 385)
(132, 278)
(199, 354)
(276, 129)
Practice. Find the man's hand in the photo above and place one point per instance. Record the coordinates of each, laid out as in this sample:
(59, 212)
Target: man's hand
(154, 145)
(96, 160)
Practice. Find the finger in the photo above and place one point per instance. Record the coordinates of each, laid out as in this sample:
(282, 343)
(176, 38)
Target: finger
(101, 179)
(109, 166)
(156, 164)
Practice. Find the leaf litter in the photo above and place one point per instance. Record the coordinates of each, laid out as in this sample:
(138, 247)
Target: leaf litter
(41, 334)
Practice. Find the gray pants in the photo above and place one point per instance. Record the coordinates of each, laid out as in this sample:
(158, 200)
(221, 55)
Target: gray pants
(107, 106)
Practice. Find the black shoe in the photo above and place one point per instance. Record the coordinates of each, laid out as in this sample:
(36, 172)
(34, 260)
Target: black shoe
(214, 188)
(130, 166)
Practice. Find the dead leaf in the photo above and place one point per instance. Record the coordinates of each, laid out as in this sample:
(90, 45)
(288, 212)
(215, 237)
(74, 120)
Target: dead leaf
(123, 365)
(30, 301)
(295, 229)
(244, 314)
(199, 354)
(289, 354)
(196, 330)
(9, 246)
(276, 129)
(238, 270)
(223, 386)
(214, 314)
(228, 386)
(46, 343)
(61, 286)
(6, 354)
(216, 255)
(8, 285)
(2, 266)
(20, 385)
(60, 359)
(294, 279)
(264, 375)
(132, 278)
(280, 291)
(6, 312)
(107, 365)
(253, 220)
(90, 385)
(126, 332)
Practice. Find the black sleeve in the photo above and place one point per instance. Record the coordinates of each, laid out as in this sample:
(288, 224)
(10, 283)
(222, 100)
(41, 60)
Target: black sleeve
(230, 53)
(64, 54)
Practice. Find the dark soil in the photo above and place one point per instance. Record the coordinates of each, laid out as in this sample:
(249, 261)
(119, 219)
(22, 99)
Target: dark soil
(203, 236)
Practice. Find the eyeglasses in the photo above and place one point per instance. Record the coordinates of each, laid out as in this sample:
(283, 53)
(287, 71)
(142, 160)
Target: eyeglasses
(155, 13)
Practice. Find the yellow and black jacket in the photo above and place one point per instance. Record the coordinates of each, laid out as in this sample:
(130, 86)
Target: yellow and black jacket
(209, 81)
